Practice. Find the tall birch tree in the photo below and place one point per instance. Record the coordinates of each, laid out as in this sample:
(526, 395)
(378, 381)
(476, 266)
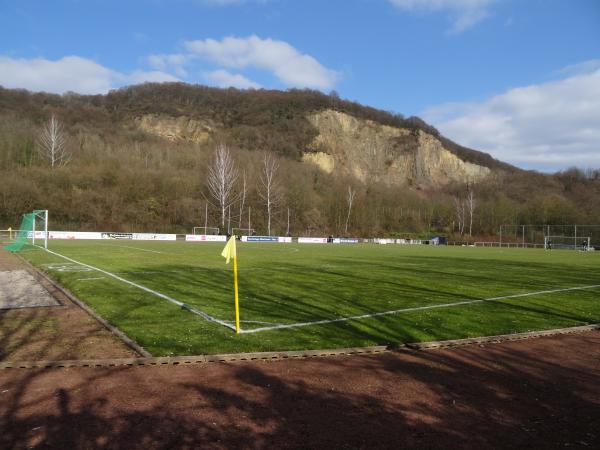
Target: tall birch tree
(269, 189)
(350, 200)
(52, 143)
(222, 176)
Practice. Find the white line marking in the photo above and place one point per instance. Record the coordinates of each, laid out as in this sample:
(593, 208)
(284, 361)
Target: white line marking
(89, 279)
(158, 294)
(417, 308)
(252, 321)
(137, 248)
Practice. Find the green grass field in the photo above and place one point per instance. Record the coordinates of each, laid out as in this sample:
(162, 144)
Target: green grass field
(283, 284)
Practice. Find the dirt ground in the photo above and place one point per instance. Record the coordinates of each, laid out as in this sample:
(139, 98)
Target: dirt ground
(52, 332)
(537, 393)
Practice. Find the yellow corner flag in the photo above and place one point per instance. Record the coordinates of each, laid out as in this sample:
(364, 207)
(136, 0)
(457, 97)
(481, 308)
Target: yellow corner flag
(229, 253)
(229, 250)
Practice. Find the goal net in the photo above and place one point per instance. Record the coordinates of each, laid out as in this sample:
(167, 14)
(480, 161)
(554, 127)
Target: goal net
(32, 232)
(567, 243)
(205, 230)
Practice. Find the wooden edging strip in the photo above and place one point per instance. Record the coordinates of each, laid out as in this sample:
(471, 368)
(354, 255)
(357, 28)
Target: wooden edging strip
(122, 336)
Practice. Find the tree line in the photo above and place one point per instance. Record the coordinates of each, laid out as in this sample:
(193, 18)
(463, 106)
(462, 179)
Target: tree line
(112, 176)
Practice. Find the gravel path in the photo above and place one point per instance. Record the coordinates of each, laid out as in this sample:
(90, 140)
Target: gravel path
(537, 393)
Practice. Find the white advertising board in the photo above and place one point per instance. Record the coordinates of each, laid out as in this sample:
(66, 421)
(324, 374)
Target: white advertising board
(285, 239)
(205, 238)
(154, 237)
(312, 240)
(74, 235)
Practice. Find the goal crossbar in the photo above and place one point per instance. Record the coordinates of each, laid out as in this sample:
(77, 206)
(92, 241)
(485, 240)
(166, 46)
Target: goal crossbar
(205, 230)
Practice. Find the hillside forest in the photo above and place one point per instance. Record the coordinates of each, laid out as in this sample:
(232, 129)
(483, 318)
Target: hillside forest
(117, 177)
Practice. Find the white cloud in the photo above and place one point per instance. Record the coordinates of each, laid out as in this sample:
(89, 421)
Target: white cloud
(142, 76)
(278, 57)
(581, 68)
(464, 13)
(223, 78)
(175, 62)
(71, 73)
(548, 126)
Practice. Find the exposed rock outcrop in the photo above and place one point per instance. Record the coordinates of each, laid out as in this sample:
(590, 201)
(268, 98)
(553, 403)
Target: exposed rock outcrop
(347, 145)
(374, 152)
(175, 128)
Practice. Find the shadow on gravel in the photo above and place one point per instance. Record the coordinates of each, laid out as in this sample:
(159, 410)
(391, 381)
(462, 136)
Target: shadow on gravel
(534, 394)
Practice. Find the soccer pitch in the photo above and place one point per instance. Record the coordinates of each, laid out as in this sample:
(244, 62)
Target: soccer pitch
(321, 296)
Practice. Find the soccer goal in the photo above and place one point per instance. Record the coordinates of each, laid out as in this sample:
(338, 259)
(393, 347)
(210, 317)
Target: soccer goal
(33, 231)
(567, 242)
(205, 230)
(242, 231)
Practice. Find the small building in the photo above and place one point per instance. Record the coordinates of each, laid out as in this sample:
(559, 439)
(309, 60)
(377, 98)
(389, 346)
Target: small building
(437, 240)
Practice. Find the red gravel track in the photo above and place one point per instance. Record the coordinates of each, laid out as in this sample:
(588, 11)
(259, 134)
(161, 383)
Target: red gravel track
(537, 393)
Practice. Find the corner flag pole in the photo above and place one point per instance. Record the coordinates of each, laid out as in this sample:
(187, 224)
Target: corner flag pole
(228, 253)
(235, 290)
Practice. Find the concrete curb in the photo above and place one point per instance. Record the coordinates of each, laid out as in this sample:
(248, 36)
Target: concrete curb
(122, 336)
(297, 354)
(182, 360)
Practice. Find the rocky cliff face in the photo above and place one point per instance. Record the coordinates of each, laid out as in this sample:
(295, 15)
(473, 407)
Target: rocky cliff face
(361, 148)
(374, 152)
(175, 128)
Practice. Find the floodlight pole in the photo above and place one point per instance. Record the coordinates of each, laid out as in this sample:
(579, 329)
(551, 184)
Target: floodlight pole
(523, 233)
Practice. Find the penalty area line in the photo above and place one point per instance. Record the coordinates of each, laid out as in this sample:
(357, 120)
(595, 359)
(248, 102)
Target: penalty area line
(416, 308)
(189, 308)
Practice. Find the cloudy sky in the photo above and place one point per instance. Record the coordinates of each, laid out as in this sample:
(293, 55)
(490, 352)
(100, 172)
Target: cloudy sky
(519, 79)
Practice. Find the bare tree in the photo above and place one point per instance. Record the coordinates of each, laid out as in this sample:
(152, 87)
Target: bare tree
(460, 214)
(243, 198)
(222, 175)
(52, 144)
(269, 189)
(471, 205)
(350, 200)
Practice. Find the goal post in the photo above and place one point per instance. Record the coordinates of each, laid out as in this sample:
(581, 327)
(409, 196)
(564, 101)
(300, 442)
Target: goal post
(205, 230)
(33, 231)
(567, 242)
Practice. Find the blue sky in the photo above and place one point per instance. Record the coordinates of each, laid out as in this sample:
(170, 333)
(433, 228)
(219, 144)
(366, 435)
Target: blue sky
(519, 79)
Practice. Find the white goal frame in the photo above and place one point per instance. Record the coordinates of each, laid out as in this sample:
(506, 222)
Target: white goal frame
(41, 214)
(578, 242)
(195, 229)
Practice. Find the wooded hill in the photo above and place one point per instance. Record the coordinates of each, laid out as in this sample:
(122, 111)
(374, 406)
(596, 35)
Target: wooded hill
(132, 169)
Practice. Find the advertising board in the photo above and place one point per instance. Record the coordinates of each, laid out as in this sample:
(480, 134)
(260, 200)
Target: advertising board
(154, 237)
(74, 235)
(205, 238)
(260, 239)
(312, 240)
